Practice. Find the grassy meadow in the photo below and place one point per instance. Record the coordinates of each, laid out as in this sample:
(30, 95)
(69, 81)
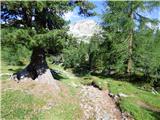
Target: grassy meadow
(30, 101)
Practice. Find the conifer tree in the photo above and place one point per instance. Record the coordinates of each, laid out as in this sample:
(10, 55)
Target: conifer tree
(121, 21)
(43, 24)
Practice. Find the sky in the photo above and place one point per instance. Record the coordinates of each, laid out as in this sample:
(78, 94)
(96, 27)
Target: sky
(74, 17)
(100, 6)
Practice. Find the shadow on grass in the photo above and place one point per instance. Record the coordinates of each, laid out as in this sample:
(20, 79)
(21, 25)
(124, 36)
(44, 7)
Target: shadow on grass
(57, 75)
(81, 72)
(155, 114)
(140, 81)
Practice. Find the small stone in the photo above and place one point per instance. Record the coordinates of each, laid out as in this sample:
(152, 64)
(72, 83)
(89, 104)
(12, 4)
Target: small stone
(122, 95)
(111, 94)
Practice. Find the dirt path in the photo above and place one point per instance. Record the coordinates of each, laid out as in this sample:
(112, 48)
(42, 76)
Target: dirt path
(98, 105)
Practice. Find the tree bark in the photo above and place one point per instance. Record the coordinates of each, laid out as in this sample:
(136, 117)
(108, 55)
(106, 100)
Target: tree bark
(38, 69)
(130, 46)
(90, 61)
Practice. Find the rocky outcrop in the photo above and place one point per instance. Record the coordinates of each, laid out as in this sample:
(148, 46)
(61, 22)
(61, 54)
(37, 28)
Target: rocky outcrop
(98, 105)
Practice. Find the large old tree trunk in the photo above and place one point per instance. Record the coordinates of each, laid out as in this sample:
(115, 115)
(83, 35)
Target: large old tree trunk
(38, 69)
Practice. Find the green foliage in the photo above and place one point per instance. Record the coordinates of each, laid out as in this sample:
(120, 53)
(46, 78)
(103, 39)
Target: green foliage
(147, 54)
(15, 45)
(12, 36)
(95, 53)
(47, 14)
(128, 38)
(15, 56)
(84, 57)
(54, 40)
(30, 38)
(74, 55)
(18, 42)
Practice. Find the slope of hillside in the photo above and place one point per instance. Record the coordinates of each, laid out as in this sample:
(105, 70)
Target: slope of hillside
(79, 98)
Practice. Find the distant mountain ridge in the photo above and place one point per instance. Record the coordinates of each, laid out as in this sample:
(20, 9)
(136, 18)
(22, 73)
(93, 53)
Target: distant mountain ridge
(84, 29)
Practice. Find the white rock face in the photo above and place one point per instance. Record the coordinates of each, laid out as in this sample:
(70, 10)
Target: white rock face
(84, 29)
(48, 79)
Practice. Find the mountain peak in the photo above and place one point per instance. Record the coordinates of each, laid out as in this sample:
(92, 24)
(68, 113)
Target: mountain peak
(84, 29)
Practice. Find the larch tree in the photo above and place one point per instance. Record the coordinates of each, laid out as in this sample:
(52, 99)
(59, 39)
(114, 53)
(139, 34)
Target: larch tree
(39, 25)
(121, 22)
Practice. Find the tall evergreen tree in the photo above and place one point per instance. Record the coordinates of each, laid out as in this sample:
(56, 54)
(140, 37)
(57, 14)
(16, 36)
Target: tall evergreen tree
(121, 21)
(146, 54)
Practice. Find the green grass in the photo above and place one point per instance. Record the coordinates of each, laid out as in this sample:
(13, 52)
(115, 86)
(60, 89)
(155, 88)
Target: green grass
(134, 92)
(102, 84)
(9, 68)
(138, 112)
(63, 111)
(20, 105)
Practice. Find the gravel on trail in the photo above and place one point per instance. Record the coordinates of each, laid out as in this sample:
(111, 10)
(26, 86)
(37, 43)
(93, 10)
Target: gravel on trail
(98, 105)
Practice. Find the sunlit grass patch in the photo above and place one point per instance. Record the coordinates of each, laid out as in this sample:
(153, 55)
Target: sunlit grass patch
(20, 105)
(63, 111)
(5, 68)
(137, 111)
(95, 81)
(151, 108)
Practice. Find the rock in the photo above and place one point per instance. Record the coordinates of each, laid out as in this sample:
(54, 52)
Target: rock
(122, 95)
(48, 79)
(106, 117)
(22, 74)
(116, 98)
(111, 94)
(126, 116)
(97, 104)
(14, 77)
